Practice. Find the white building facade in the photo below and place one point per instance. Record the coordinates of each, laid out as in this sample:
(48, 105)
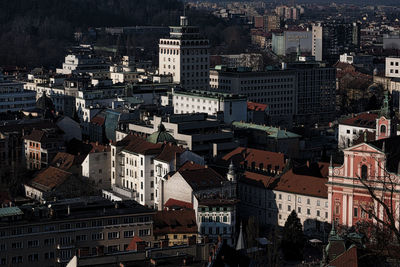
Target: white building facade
(392, 67)
(234, 107)
(185, 55)
(13, 97)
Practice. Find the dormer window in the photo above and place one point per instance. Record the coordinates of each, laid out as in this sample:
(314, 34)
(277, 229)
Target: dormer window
(364, 172)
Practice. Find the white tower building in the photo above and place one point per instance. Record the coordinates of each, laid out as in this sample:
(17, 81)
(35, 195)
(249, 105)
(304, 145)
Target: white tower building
(185, 55)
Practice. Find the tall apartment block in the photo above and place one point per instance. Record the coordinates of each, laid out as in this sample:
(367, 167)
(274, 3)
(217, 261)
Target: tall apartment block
(185, 55)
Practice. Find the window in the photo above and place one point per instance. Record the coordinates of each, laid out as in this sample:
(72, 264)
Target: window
(49, 255)
(128, 234)
(144, 232)
(81, 238)
(364, 172)
(33, 257)
(289, 208)
(308, 212)
(318, 213)
(299, 199)
(355, 212)
(113, 235)
(97, 236)
(326, 215)
(308, 201)
(280, 206)
(289, 198)
(17, 245)
(318, 203)
(33, 243)
(151, 184)
(299, 210)
(383, 129)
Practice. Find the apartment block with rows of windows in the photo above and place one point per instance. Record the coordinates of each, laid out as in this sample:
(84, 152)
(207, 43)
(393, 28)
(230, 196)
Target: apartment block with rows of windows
(51, 235)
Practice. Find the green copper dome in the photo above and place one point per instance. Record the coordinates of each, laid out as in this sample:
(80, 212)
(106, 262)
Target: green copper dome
(161, 136)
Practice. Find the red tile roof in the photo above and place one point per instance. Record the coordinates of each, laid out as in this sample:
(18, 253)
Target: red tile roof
(346, 259)
(261, 180)
(172, 203)
(240, 155)
(290, 182)
(50, 178)
(302, 184)
(366, 120)
(256, 106)
(175, 221)
(96, 147)
(137, 144)
(65, 161)
(190, 165)
(201, 179)
(168, 152)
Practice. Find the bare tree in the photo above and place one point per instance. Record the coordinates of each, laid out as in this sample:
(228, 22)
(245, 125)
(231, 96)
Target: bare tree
(384, 191)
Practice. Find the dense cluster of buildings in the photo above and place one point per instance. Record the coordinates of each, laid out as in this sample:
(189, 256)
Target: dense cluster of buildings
(118, 161)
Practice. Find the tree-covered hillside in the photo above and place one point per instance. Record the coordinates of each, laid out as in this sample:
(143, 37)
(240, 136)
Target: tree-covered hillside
(36, 32)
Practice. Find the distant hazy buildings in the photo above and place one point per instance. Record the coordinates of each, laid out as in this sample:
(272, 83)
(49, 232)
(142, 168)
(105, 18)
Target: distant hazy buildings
(330, 39)
(287, 42)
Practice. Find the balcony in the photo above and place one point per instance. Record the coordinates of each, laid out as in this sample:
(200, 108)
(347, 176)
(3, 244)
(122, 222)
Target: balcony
(128, 193)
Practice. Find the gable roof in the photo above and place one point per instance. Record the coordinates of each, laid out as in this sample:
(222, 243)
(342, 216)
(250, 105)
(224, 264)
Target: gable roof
(346, 259)
(174, 203)
(241, 155)
(202, 178)
(65, 161)
(96, 147)
(175, 221)
(168, 152)
(190, 165)
(365, 120)
(303, 185)
(289, 182)
(50, 178)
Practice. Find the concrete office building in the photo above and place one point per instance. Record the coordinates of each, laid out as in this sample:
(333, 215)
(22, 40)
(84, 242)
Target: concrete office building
(303, 92)
(51, 234)
(13, 97)
(185, 55)
(331, 39)
(229, 107)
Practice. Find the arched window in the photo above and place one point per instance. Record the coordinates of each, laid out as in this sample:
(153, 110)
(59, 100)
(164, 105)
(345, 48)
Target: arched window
(364, 172)
(383, 129)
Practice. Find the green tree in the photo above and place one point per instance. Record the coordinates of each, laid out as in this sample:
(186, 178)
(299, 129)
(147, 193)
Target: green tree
(293, 238)
(252, 231)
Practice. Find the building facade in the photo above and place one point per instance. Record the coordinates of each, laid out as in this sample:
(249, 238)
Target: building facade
(233, 107)
(185, 55)
(51, 235)
(13, 97)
